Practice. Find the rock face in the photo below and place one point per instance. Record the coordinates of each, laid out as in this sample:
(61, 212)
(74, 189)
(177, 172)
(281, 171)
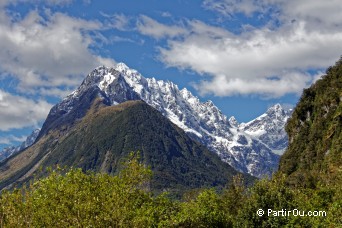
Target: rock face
(251, 148)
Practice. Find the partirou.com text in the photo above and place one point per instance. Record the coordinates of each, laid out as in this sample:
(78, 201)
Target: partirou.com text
(293, 212)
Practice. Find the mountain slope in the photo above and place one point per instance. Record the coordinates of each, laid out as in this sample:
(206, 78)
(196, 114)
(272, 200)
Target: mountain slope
(202, 121)
(315, 132)
(106, 134)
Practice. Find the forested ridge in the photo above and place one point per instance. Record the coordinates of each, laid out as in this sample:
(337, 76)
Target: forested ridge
(315, 132)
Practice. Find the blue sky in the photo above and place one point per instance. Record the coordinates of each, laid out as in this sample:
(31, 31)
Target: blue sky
(243, 55)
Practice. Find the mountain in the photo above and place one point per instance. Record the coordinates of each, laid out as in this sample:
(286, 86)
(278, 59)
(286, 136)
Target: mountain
(9, 151)
(260, 142)
(105, 135)
(202, 121)
(252, 148)
(315, 133)
(269, 128)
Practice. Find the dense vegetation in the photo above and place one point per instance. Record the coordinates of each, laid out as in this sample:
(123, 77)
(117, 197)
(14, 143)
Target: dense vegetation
(78, 199)
(315, 133)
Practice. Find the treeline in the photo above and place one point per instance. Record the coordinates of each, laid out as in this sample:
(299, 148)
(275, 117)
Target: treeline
(76, 199)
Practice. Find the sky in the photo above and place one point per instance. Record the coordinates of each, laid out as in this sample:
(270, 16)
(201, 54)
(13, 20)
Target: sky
(243, 55)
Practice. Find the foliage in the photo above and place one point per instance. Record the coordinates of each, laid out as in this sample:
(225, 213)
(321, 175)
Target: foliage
(315, 132)
(86, 200)
(76, 199)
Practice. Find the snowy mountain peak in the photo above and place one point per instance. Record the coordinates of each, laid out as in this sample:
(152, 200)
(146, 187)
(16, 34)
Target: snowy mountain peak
(128, 72)
(277, 108)
(269, 128)
(233, 122)
(95, 77)
(186, 93)
(238, 145)
(121, 67)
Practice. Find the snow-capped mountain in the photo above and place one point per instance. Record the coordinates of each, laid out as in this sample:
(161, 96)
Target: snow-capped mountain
(242, 149)
(8, 151)
(269, 128)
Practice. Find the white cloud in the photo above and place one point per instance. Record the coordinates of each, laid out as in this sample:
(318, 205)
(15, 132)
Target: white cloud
(150, 27)
(230, 7)
(322, 16)
(49, 52)
(267, 88)
(48, 2)
(59, 2)
(259, 53)
(10, 139)
(121, 22)
(118, 21)
(318, 76)
(287, 106)
(55, 92)
(268, 61)
(318, 15)
(17, 112)
(3, 2)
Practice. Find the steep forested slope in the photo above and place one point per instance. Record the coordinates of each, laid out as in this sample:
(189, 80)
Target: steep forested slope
(315, 132)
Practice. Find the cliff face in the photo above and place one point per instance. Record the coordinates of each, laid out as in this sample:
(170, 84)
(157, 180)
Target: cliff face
(315, 135)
